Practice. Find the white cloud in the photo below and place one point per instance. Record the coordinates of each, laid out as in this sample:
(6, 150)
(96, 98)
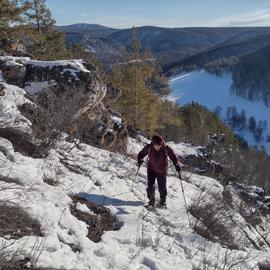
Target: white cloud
(129, 21)
(256, 18)
(84, 15)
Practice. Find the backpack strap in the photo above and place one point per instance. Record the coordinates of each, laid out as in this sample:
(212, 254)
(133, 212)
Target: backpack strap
(149, 149)
(166, 150)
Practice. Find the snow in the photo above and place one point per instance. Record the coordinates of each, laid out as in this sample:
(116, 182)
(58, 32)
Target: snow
(135, 61)
(35, 87)
(83, 208)
(14, 59)
(71, 71)
(182, 149)
(212, 91)
(147, 240)
(186, 149)
(7, 148)
(91, 49)
(163, 240)
(116, 119)
(142, 139)
(11, 116)
(134, 146)
(1, 76)
(76, 64)
(12, 62)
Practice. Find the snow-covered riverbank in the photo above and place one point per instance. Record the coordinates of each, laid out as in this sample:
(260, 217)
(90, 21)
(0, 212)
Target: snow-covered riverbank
(212, 91)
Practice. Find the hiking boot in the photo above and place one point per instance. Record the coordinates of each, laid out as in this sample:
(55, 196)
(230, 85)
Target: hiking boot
(162, 205)
(150, 207)
(151, 203)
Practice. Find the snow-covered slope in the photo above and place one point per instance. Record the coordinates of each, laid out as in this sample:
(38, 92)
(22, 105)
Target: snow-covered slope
(147, 240)
(222, 234)
(212, 91)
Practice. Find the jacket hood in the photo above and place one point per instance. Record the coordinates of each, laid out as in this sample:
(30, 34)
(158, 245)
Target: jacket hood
(157, 139)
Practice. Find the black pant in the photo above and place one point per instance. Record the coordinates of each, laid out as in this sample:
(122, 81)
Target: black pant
(161, 179)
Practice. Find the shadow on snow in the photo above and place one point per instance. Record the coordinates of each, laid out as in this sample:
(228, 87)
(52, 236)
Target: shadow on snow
(105, 200)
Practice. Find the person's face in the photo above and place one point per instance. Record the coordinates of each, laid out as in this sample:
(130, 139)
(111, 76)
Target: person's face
(157, 147)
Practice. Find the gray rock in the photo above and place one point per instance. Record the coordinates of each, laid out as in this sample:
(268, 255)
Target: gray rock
(67, 96)
(13, 72)
(113, 93)
(7, 148)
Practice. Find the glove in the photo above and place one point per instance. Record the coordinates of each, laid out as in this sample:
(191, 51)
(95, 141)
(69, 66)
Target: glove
(140, 162)
(177, 167)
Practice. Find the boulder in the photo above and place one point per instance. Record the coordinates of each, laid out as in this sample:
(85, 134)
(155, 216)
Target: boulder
(13, 71)
(66, 95)
(6, 148)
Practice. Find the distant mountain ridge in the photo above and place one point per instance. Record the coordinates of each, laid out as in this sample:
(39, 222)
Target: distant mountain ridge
(83, 27)
(170, 46)
(162, 39)
(226, 50)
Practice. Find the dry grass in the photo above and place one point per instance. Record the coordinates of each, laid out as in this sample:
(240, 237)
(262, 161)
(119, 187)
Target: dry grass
(102, 219)
(16, 223)
(51, 182)
(210, 215)
(8, 179)
(228, 260)
(15, 265)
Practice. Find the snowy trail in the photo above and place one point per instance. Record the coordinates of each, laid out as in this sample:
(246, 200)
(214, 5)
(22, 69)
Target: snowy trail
(147, 240)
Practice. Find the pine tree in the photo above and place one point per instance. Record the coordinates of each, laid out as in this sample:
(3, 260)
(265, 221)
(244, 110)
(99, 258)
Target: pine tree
(137, 104)
(170, 123)
(218, 110)
(49, 44)
(243, 120)
(78, 52)
(10, 16)
(141, 104)
(252, 124)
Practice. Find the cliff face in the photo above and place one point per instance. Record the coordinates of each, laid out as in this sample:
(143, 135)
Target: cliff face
(62, 95)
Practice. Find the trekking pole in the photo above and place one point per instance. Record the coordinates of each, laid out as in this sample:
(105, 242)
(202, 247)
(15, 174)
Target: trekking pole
(185, 201)
(134, 182)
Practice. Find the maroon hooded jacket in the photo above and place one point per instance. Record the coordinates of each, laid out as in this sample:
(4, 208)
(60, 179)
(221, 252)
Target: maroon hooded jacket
(157, 160)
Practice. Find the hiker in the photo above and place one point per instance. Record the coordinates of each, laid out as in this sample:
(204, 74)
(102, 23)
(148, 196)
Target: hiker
(157, 167)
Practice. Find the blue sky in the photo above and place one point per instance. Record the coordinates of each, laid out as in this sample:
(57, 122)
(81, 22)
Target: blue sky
(166, 13)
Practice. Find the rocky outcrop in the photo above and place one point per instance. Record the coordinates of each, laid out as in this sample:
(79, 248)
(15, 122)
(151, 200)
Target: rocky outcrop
(67, 96)
(250, 197)
(113, 93)
(201, 163)
(13, 72)
(102, 126)
(232, 216)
